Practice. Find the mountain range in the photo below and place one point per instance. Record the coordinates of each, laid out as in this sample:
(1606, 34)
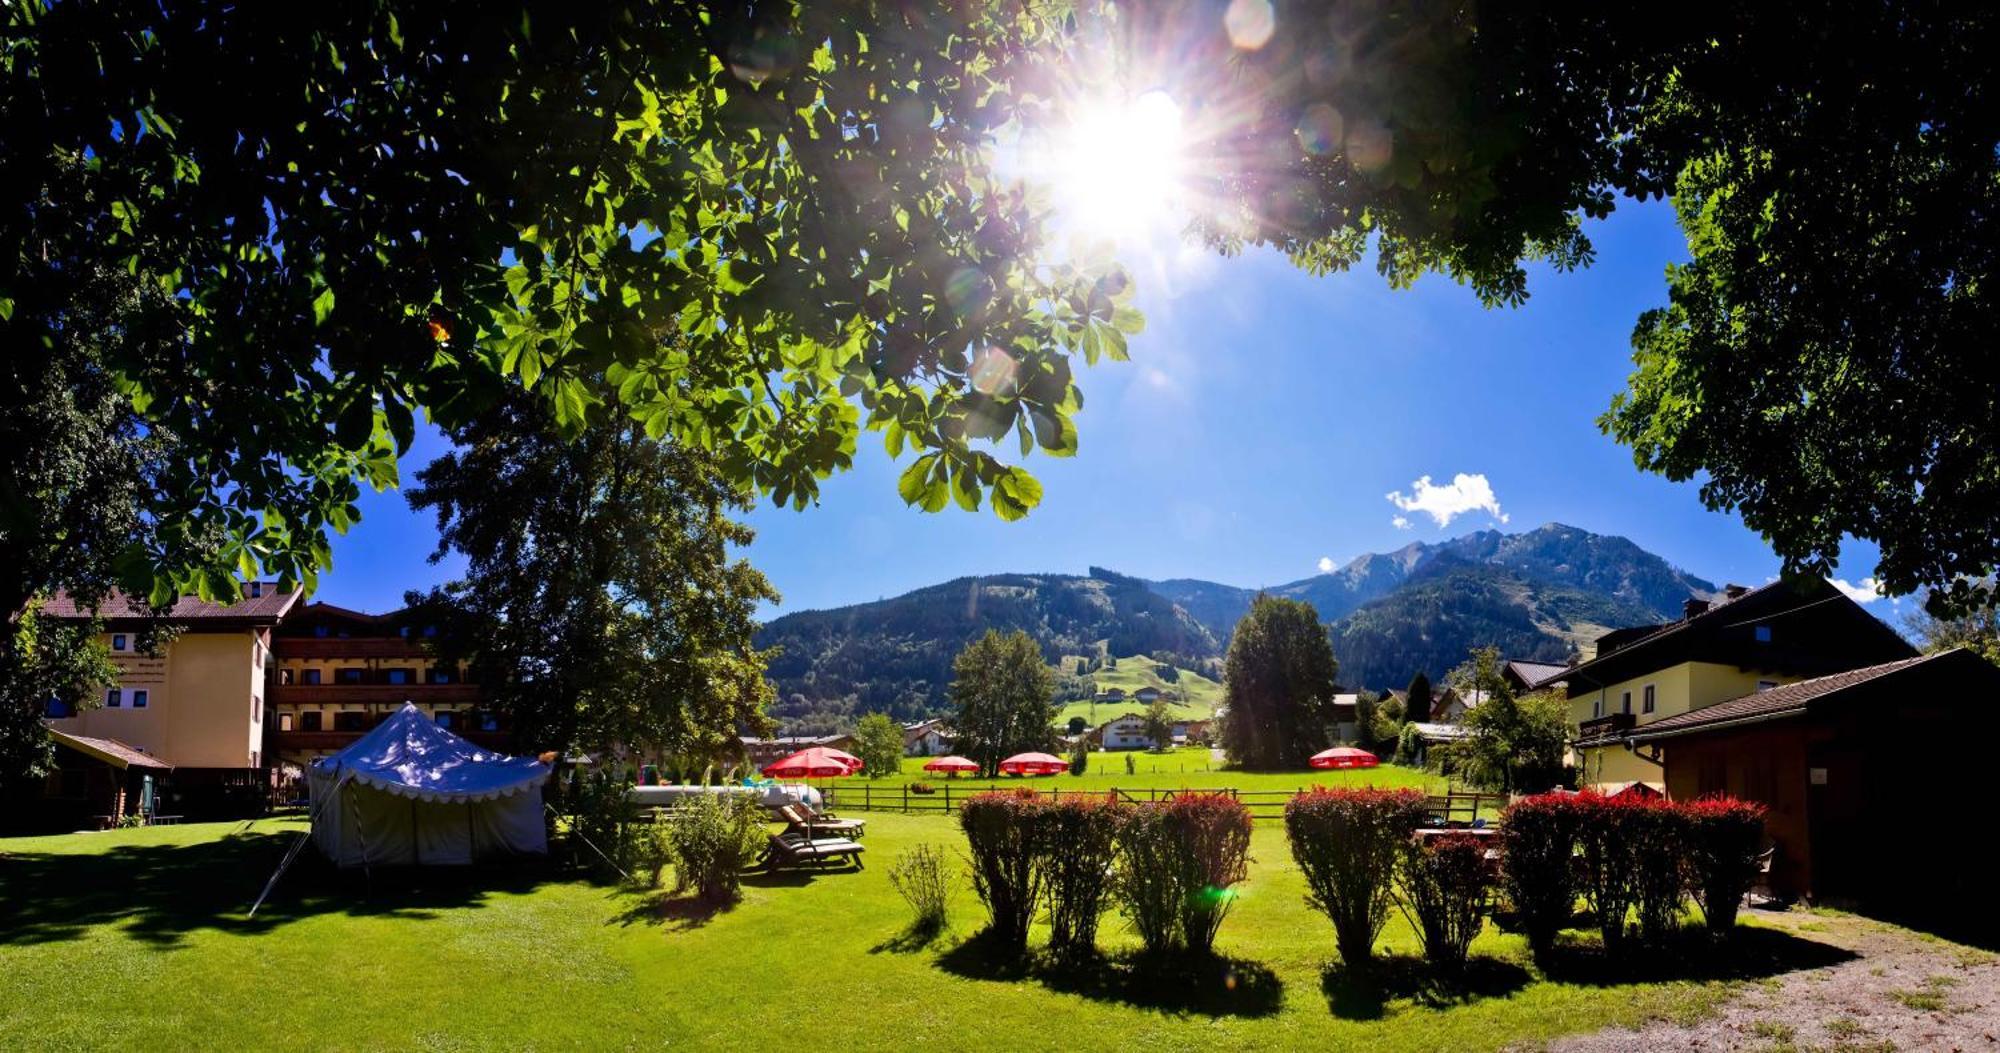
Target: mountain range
(1541, 594)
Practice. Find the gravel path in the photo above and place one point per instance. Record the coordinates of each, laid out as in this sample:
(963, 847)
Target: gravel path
(1903, 992)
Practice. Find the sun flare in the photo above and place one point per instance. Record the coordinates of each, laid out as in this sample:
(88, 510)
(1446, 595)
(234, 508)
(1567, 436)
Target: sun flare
(1118, 167)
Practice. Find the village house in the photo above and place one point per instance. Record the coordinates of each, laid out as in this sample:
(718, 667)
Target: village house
(1129, 733)
(1347, 717)
(760, 751)
(926, 738)
(198, 707)
(1749, 640)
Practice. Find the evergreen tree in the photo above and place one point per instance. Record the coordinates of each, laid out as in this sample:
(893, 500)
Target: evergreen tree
(1417, 709)
(1002, 691)
(1279, 686)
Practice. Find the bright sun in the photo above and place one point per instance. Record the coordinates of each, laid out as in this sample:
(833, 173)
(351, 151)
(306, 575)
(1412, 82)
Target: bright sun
(1118, 168)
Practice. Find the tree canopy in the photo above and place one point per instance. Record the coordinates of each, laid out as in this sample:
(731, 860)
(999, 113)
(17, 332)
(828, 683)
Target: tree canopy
(1278, 686)
(1003, 693)
(600, 604)
(878, 741)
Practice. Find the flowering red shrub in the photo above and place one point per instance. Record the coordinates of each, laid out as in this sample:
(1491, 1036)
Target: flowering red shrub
(1002, 835)
(1347, 843)
(1442, 888)
(1538, 840)
(1724, 836)
(1179, 860)
(1656, 845)
(1608, 880)
(1076, 840)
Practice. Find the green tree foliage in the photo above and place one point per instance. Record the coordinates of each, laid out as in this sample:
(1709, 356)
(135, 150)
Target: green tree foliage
(600, 603)
(1159, 724)
(1511, 744)
(770, 225)
(1834, 172)
(1279, 686)
(878, 741)
(1417, 703)
(1977, 628)
(1002, 690)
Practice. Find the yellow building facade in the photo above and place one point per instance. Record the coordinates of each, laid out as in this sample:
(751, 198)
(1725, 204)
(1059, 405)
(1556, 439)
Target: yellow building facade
(1655, 696)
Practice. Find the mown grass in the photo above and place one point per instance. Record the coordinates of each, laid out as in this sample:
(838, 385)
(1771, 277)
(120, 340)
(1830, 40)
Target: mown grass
(138, 939)
(1199, 695)
(1187, 768)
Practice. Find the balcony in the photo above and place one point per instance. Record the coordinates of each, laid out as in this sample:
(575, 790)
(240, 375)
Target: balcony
(373, 694)
(295, 647)
(292, 743)
(1608, 726)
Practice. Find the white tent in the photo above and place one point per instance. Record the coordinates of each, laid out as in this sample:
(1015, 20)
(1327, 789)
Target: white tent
(410, 792)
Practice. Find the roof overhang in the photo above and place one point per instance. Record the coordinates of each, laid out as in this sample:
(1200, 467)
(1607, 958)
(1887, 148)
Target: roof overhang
(120, 756)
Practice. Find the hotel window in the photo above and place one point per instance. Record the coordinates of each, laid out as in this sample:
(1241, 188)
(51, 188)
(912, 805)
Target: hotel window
(309, 720)
(402, 676)
(444, 718)
(404, 632)
(441, 674)
(489, 722)
(1628, 702)
(120, 642)
(113, 698)
(139, 699)
(1597, 707)
(1763, 634)
(350, 722)
(347, 676)
(309, 677)
(284, 722)
(256, 590)
(319, 630)
(57, 709)
(1647, 703)
(430, 630)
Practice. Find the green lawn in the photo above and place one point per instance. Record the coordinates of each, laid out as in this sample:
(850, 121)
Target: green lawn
(1187, 768)
(138, 939)
(1199, 695)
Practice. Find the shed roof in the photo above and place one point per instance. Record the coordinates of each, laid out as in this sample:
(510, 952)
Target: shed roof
(1789, 699)
(110, 751)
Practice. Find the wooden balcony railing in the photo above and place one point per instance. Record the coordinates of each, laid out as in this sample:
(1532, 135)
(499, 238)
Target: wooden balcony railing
(374, 694)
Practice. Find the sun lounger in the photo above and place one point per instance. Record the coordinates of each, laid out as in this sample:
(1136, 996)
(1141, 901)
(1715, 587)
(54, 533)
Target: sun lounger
(803, 820)
(787, 850)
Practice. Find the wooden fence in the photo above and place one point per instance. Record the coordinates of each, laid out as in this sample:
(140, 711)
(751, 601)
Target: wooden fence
(946, 796)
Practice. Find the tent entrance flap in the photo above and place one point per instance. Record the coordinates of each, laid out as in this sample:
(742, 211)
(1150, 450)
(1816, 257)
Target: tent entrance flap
(412, 793)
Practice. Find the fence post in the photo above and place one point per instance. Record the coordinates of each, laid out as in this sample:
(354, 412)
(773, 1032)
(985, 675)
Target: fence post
(947, 797)
(906, 798)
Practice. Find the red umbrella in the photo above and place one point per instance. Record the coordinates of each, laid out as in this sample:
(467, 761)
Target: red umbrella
(1033, 764)
(1344, 757)
(818, 762)
(952, 764)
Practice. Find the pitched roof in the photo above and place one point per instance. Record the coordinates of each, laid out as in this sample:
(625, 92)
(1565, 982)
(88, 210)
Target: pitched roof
(1782, 701)
(263, 609)
(1534, 674)
(110, 751)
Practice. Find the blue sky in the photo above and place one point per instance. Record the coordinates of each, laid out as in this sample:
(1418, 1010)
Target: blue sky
(1264, 419)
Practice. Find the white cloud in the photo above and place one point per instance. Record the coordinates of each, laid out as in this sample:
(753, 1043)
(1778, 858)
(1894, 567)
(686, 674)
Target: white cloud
(1400, 522)
(1326, 564)
(1467, 493)
(1868, 591)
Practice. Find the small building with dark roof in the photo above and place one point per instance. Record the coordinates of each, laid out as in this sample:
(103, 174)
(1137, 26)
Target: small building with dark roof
(1857, 817)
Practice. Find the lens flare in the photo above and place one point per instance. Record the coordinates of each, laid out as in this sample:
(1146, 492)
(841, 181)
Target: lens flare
(1320, 129)
(992, 371)
(1249, 23)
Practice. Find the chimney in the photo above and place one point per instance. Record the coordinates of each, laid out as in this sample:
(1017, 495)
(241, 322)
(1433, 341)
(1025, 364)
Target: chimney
(1733, 591)
(1693, 607)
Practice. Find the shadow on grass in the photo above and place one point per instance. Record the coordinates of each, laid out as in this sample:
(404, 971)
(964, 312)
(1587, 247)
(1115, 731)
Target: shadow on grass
(1364, 994)
(1215, 985)
(1690, 954)
(918, 936)
(678, 911)
(161, 893)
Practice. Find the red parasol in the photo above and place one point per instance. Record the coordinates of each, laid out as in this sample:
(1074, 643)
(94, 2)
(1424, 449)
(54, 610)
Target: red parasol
(818, 762)
(1344, 757)
(952, 764)
(1033, 764)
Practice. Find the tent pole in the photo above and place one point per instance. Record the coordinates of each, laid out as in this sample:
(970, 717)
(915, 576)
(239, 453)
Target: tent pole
(291, 855)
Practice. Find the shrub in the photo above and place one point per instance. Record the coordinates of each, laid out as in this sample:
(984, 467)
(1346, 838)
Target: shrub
(1001, 830)
(1657, 848)
(1442, 890)
(1608, 878)
(1079, 757)
(1077, 839)
(650, 850)
(598, 815)
(1409, 745)
(1214, 833)
(1538, 837)
(1347, 843)
(1180, 860)
(923, 876)
(713, 838)
(1131, 765)
(1724, 836)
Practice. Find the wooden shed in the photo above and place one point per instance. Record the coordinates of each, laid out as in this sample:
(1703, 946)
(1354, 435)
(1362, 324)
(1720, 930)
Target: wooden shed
(1874, 778)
